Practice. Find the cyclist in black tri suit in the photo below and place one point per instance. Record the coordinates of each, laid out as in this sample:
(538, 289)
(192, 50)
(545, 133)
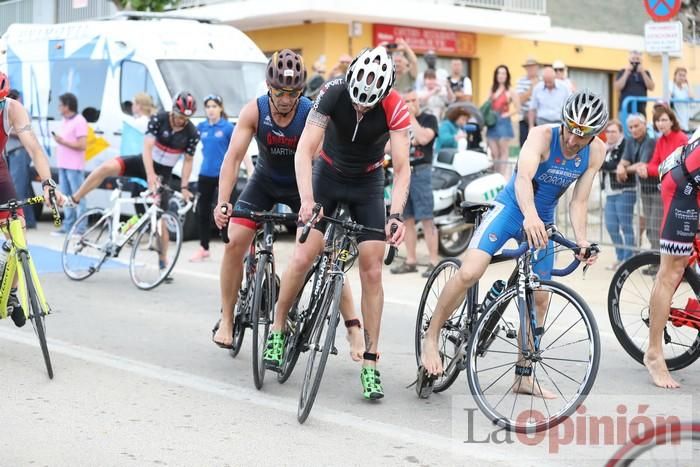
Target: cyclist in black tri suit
(680, 196)
(275, 120)
(170, 135)
(354, 117)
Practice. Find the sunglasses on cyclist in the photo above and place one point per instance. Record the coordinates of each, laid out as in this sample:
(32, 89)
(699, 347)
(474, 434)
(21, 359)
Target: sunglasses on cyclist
(214, 97)
(293, 93)
(579, 130)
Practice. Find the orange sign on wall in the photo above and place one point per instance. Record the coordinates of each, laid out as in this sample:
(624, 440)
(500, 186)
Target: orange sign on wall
(453, 43)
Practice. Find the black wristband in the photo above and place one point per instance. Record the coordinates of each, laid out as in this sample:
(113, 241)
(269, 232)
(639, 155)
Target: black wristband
(396, 216)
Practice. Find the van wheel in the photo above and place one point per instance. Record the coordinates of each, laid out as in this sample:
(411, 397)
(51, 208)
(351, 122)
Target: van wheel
(454, 244)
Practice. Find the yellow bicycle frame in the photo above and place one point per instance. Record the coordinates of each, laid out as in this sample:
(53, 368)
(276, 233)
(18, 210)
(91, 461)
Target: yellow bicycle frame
(12, 267)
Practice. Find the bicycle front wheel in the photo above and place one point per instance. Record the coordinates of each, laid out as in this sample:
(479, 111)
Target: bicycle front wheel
(320, 345)
(671, 444)
(36, 312)
(451, 342)
(296, 322)
(628, 309)
(551, 379)
(262, 315)
(155, 250)
(85, 245)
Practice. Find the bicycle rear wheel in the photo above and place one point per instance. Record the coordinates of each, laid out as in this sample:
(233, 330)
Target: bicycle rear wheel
(35, 312)
(296, 325)
(320, 345)
(628, 310)
(85, 245)
(262, 315)
(241, 311)
(660, 446)
(155, 251)
(569, 348)
(450, 335)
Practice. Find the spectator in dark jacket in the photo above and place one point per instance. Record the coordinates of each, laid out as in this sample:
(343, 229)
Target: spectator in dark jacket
(620, 197)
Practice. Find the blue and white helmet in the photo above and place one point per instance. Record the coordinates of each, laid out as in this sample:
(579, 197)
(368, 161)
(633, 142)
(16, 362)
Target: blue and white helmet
(584, 113)
(370, 76)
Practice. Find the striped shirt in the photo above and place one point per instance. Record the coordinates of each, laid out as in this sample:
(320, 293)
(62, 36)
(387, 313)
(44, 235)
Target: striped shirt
(524, 86)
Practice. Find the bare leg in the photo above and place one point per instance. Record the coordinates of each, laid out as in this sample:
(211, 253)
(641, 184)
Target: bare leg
(231, 276)
(431, 240)
(495, 154)
(667, 280)
(411, 238)
(110, 168)
(371, 255)
(528, 384)
(473, 267)
(354, 336)
(504, 145)
(293, 278)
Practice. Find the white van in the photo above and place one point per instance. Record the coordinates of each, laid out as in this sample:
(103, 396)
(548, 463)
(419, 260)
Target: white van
(106, 62)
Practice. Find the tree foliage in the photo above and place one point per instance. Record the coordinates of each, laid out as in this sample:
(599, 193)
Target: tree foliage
(146, 5)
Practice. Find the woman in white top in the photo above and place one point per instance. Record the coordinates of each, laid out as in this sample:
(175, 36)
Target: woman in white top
(680, 89)
(135, 125)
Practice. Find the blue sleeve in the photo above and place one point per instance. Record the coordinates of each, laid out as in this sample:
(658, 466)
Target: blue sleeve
(446, 135)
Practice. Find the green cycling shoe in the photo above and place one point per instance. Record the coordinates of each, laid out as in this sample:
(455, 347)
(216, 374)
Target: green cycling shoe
(274, 351)
(371, 384)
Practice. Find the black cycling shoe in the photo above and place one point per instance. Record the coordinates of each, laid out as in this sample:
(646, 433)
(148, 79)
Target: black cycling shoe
(16, 313)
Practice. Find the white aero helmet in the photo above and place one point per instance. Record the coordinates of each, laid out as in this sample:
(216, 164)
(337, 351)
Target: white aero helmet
(584, 113)
(370, 76)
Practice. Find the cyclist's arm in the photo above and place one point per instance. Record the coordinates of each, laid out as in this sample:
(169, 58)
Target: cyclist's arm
(147, 156)
(311, 138)
(236, 152)
(578, 207)
(22, 127)
(402, 170)
(189, 158)
(535, 146)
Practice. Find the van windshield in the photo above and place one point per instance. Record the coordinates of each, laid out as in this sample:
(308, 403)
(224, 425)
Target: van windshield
(236, 82)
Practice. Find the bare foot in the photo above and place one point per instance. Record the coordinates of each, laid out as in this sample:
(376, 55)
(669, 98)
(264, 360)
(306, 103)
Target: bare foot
(659, 371)
(527, 385)
(224, 335)
(357, 343)
(430, 357)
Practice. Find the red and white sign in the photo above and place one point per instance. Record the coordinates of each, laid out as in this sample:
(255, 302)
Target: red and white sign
(666, 37)
(453, 43)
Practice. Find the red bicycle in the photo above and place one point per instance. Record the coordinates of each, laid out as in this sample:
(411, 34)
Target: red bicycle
(628, 309)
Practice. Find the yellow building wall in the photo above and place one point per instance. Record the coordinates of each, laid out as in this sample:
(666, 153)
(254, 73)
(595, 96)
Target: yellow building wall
(314, 40)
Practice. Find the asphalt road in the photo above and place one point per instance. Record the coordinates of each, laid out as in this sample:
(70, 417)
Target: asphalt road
(138, 382)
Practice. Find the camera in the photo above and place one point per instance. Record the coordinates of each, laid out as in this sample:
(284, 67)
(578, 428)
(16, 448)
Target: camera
(392, 46)
(635, 65)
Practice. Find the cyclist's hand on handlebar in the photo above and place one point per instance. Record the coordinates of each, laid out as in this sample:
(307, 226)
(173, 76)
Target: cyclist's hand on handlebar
(585, 254)
(60, 197)
(152, 180)
(186, 194)
(535, 231)
(397, 237)
(221, 215)
(306, 211)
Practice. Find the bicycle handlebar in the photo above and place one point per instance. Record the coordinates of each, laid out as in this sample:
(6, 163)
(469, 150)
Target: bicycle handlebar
(257, 216)
(13, 205)
(348, 225)
(558, 238)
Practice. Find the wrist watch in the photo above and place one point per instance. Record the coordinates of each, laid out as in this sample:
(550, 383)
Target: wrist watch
(396, 216)
(49, 182)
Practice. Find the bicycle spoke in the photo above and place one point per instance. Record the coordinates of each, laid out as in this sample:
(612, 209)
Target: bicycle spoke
(556, 386)
(562, 334)
(561, 373)
(555, 319)
(510, 364)
(566, 345)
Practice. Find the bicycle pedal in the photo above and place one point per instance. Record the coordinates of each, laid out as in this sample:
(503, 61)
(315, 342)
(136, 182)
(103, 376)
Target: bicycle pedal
(273, 367)
(424, 383)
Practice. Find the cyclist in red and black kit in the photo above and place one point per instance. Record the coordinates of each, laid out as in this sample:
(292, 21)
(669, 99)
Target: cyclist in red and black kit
(276, 120)
(353, 117)
(680, 196)
(170, 136)
(14, 118)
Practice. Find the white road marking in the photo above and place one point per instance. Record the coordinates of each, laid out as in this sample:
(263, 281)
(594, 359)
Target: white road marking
(247, 395)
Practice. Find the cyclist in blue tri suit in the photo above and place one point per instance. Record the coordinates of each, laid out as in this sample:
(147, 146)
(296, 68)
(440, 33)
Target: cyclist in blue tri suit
(552, 158)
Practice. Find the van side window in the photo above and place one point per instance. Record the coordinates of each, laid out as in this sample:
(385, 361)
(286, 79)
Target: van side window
(84, 78)
(135, 79)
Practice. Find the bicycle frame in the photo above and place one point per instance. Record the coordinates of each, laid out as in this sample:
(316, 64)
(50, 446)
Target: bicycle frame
(19, 245)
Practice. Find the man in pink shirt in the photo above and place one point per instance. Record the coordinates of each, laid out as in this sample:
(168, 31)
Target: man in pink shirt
(70, 154)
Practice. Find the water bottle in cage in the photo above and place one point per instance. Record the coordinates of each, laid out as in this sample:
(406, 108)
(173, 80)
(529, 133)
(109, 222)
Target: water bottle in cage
(496, 289)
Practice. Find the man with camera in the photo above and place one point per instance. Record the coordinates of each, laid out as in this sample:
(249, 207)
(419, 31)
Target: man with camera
(634, 80)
